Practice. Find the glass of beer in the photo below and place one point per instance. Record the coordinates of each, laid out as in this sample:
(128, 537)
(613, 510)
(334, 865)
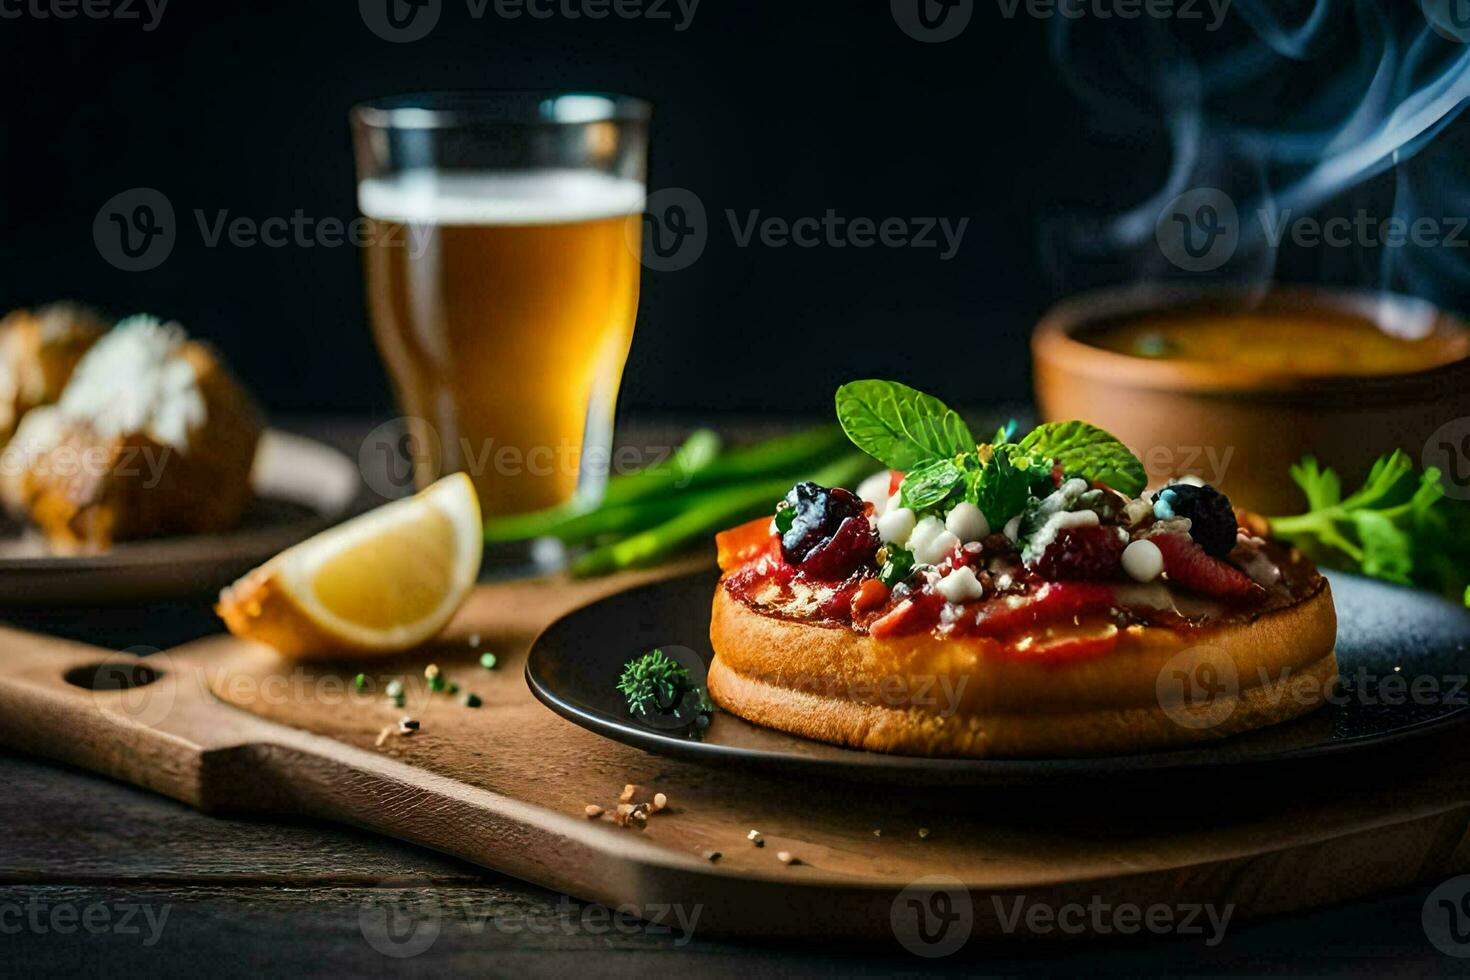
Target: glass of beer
(501, 254)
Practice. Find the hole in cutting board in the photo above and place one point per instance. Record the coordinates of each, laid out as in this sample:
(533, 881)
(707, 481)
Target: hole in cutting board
(112, 676)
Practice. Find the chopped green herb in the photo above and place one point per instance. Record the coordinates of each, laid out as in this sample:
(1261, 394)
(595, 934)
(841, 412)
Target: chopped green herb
(472, 700)
(437, 683)
(488, 661)
(785, 517)
(360, 681)
(453, 688)
(898, 567)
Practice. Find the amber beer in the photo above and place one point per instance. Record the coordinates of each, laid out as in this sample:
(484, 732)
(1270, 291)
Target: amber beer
(503, 305)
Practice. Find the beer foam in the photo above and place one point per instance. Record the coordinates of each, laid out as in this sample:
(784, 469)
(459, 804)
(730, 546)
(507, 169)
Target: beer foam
(537, 197)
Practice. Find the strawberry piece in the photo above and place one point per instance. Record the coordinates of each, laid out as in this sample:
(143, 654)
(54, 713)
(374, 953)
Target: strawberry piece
(1187, 565)
(916, 613)
(1061, 644)
(1082, 554)
(1053, 602)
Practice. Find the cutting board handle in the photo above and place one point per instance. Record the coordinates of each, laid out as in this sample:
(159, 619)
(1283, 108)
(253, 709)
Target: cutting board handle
(119, 714)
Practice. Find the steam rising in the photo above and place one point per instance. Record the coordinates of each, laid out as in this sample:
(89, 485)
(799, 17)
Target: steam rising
(1292, 108)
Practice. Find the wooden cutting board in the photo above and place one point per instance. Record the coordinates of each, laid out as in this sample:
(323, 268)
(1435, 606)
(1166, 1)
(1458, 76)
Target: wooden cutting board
(230, 728)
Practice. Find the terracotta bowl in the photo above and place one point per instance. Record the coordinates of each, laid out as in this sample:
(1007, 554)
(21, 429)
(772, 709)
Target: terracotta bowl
(1241, 427)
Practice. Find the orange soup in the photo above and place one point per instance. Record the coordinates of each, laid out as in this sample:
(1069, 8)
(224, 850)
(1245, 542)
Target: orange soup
(1318, 343)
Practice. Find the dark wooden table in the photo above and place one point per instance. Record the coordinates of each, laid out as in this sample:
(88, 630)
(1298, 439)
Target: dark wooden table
(100, 878)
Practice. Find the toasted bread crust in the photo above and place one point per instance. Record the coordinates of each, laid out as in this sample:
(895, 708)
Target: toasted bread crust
(967, 696)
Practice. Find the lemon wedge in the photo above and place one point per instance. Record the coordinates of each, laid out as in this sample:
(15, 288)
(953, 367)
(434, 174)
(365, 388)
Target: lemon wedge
(382, 582)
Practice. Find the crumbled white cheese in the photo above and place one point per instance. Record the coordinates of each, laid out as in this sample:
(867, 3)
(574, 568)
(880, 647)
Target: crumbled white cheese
(135, 380)
(896, 526)
(1046, 534)
(923, 533)
(960, 585)
(1189, 479)
(967, 522)
(1137, 510)
(1143, 561)
(937, 548)
(875, 491)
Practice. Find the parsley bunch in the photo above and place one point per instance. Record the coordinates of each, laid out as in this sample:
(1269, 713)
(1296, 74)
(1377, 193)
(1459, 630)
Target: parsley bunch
(1397, 526)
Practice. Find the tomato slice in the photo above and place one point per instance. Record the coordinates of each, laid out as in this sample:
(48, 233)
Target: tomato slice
(746, 542)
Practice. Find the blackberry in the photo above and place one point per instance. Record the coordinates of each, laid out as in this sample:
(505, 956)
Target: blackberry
(815, 513)
(1211, 518)
(1085, 553)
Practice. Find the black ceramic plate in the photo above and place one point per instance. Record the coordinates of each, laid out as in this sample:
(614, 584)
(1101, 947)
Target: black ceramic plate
(1389, 640)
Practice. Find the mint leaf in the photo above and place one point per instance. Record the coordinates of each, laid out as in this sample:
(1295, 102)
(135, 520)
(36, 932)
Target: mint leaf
(929, 483)
(900, 427)
(1323, 488)
(1088, 452)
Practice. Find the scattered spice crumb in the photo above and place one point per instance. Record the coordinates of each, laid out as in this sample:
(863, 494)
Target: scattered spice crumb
(488, 661)
(383, 736)
(431, 671)
(472, 700)
(923, 832)
(755, 838)
(592, 811)
(877, 832)
(627, 794)
(407, 726)
(474, 639)
(659, 801)
(711, 856)
(786, 857)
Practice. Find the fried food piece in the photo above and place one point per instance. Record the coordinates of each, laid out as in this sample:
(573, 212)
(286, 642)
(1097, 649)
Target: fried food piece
(151, 436)
(38, 352)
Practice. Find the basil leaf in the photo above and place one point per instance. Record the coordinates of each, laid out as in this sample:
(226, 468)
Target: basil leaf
(900, 427)
(1002, 486)
(1088, 452)
(928, 484)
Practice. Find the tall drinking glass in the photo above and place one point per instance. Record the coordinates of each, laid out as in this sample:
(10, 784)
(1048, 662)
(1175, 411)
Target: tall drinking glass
(502, 266)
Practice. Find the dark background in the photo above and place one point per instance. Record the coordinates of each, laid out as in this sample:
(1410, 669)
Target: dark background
(786, 108)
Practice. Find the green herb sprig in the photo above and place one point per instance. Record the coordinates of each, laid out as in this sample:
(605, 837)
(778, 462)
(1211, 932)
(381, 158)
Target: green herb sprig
(1398, 526)
(654, 681)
